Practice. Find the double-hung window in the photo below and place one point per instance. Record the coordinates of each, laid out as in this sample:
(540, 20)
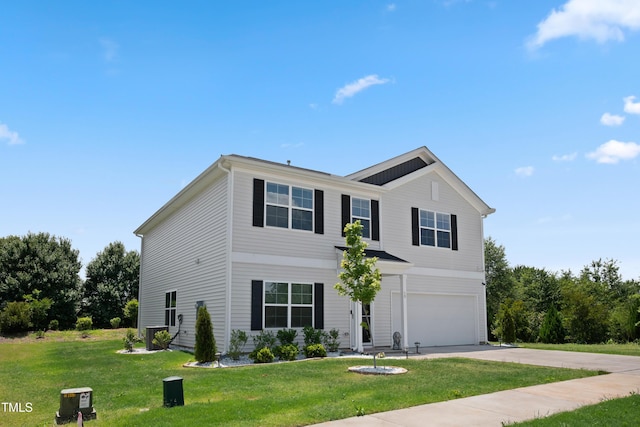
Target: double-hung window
(289, 207)
(435, 229)
(170, 308)
(361, 210)
(288, 305)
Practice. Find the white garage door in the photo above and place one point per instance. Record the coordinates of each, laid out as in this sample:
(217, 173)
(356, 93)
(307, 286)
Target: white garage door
(437, 320)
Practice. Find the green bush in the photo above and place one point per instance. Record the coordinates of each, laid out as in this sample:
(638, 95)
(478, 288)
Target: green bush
(264, 355)
(54, 325)
(84, 324)
(264, 339)
(287, 352)
(312, 336)
(287, 336)
(314, 350)
(162, 339)
(236, 343)
(131, 312)
(330, 340)
(129, 340)
(115, 322)
(551, 330)
(205, 350)
(16, 317)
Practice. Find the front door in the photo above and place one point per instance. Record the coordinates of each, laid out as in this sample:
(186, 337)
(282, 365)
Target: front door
(367, 330)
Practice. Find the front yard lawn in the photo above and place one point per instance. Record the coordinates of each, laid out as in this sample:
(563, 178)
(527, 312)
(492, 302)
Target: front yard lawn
(128, 388)
(628, 349)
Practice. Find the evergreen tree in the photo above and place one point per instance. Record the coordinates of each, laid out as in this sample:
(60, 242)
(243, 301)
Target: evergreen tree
(551, 330)
(205, 350)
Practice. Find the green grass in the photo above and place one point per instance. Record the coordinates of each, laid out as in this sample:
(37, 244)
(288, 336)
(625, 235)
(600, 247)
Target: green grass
(616, 412)
(628, 349)
(128, 388)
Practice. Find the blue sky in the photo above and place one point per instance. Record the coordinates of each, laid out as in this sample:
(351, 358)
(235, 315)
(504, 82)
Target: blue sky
(107, 109)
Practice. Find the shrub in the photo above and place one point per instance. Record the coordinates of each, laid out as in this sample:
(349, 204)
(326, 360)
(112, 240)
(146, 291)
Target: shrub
(312, 336)
(54, 325)
(162, 339)
(551, 330)
(236, 343)
(131, 312)
(287, 352)
(287, 336)
(39, 334)
(330, 340)
(314, 350)
(115, 322)
(84, 324)
(264, 339)
(15, 317)
(205, 350)
(129, 340)
(264, 355)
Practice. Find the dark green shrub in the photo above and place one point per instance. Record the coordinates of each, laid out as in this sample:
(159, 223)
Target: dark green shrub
(131, 312)
(129, 340)
(287, 352)
(205, 350)
(115, 322)
(54, 325)
(264, 339)
(162, 339)
(39, 309)
(312, 336)
(551, 330)
(330, 340)
(236, 343)
(264, 355)
(15, 317)
(314, 350)
(287, 336)
(84, 324)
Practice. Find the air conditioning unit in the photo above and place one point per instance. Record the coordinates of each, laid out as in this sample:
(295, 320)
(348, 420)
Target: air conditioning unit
(150, 334)
(74, 400)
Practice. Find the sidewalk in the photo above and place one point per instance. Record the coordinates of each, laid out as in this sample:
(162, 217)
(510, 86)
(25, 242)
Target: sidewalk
(520, 404)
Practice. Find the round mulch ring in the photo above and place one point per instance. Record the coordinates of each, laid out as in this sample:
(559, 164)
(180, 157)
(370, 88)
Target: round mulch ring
(384, 370)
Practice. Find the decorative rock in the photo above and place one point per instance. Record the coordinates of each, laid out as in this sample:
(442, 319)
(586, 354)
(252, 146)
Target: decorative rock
(380, 370)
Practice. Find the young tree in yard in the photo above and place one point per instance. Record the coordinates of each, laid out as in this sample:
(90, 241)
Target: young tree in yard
(112, 281)
(359, 278)
(131, 312)
(205, 350)
(552, 331)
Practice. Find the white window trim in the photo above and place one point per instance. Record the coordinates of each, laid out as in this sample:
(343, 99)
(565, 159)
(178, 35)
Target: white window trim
(289, 304)
(170, 309)
(354, 218)
(435, 228)
(290, 206)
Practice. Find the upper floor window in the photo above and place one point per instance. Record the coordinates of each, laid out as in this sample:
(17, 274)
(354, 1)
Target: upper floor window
(435, 229)
(361, 210)
(289, 207)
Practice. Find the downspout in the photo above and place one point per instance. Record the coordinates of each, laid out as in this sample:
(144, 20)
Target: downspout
(139, 319)
(484, 285)
(227, 329)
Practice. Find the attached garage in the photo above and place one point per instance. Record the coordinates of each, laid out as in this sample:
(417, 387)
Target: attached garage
(438, 319)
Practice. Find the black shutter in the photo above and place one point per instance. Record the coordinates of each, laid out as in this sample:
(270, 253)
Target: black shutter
(319, 211)
(375, 220)
(256, 305)
(258, 202)
(415, 227)
(318, 306)
(346, 212)
(454, 232)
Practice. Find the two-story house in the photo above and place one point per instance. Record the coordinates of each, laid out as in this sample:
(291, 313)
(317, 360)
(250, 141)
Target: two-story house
(260, 243)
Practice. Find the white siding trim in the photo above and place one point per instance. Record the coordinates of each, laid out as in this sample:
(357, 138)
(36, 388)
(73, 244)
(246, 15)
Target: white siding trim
(439, 272)
(289, 261)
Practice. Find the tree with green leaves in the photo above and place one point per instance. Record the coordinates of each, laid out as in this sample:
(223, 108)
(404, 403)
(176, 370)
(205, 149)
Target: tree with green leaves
(498, 277)
(44, 266)
(205, 350)
(112, 280)
(359, 278)
(131, 312)
(551, 330)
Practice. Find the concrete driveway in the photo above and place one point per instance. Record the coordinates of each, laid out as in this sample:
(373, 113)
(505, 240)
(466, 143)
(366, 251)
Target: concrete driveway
(496, 409)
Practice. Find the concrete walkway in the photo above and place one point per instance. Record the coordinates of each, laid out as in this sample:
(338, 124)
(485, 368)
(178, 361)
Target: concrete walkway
(496, 409)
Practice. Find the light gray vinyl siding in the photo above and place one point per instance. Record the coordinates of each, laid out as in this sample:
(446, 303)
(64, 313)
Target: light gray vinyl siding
(395, 215)
(187, 253)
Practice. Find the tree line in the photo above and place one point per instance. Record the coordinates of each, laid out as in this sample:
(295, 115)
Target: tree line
(530, 304)
(41, 287)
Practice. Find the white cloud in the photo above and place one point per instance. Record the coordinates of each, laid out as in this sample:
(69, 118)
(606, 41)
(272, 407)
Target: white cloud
(611, 119)
(359, 85)
(525, 171)
(12, 137)
(630, 106)
(109, 49)
(613, 151)
(565, 157)
(601, 20)
(391, 7)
